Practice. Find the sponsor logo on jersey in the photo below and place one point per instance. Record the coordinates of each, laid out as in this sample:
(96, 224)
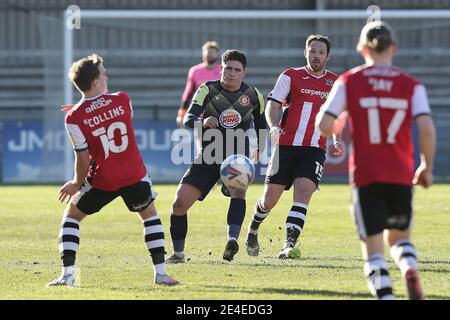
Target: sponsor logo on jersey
(97, 104)
(244, 100)
(329, 82)
(230, 118)
(321, 94)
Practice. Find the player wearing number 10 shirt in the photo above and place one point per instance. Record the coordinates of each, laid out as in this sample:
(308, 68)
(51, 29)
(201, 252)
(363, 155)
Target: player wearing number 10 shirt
(108, 164)
(103, 125)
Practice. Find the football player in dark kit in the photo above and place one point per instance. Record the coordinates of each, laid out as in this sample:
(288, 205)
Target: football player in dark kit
(229, 107)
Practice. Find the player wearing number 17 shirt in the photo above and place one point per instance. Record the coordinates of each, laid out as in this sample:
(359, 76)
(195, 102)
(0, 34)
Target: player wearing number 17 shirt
(108, 164)
(300, 150)
(381, 102)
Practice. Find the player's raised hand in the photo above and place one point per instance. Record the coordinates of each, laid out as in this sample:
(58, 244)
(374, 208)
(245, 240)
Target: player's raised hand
(338, 148)
(210, 122)
(180, 117)
(66, 107)
(423, 177)
(275, 133)
(67, 191)
(254, 156)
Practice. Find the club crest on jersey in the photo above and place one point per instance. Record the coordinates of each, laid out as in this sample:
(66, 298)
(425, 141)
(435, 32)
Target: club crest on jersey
(329, 82)
(230, 118)
(244, 100)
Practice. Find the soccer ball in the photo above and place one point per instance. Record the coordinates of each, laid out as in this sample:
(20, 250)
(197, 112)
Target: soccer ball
(237, 171)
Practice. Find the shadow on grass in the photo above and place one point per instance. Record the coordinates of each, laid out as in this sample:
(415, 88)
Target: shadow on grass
(275, 263)
(434, 262)
(294, 293)
(433, 270)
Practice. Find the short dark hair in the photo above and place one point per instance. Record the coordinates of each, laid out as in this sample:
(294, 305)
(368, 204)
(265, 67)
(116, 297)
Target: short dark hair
(234, 55)
(377, 35)
(84, 71)
(321, 38)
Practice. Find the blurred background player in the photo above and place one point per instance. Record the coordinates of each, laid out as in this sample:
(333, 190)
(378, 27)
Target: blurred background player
(381, 102)
(227, 105)
(108, 164)
(300, 150)
(208, 70)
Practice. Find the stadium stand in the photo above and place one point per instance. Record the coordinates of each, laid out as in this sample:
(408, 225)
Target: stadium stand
(155, 78)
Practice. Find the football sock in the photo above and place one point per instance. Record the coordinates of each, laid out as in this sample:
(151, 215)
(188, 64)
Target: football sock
(295, 222)
(69, 239)
(154, 240)
(404, 255)
(378, 279)
(259, 214)
(178, 231)
(235, 217)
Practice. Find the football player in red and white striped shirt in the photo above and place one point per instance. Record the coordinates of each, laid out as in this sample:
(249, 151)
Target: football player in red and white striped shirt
(381, 102)
(108, 164)
(300, 149)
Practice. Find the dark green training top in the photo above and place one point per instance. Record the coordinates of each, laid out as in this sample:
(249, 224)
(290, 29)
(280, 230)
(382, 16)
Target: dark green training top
(241, 109)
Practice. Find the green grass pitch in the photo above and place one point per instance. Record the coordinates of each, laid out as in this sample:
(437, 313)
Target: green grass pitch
(115, 264)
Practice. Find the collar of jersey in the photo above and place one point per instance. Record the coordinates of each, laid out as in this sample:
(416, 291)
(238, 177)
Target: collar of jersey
(92, 98)
(313, 75)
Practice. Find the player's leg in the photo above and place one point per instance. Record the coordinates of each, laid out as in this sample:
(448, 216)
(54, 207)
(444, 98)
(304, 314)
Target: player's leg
(139, 198)
(295, 221)
(195, 185)
(404, 254)
(270, 197)
(307, 172)
(398, 236)
(375, 267)
(235, 218)
(186, 195)
(86, 202)
(369, 212)
(154, 241)
(278, 179)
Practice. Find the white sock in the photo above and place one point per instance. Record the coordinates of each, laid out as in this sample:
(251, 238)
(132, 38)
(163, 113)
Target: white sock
(378, 279)
(404, 255)
(159, 268)
(68, 270)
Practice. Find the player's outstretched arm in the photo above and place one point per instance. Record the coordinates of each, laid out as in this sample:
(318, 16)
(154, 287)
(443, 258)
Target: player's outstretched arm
(427, 142)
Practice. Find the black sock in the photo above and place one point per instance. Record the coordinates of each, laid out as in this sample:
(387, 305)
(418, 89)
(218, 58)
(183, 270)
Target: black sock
(235, 217)
(178, 231)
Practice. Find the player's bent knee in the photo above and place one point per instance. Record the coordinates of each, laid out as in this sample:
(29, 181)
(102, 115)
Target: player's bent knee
(73, 212)
(237, 193)
(179, 207)
(268, 202)
(305, 193)
(148, 212)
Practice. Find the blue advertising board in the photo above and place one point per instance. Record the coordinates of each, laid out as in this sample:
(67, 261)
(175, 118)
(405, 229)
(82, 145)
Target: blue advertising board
(33, 151)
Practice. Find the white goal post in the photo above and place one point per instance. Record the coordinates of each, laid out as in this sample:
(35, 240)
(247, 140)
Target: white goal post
(370, 13)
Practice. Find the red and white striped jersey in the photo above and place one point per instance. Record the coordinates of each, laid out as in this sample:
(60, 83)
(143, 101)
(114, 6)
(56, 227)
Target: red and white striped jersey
(381, 101)
(103, 125)
(304, 94)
